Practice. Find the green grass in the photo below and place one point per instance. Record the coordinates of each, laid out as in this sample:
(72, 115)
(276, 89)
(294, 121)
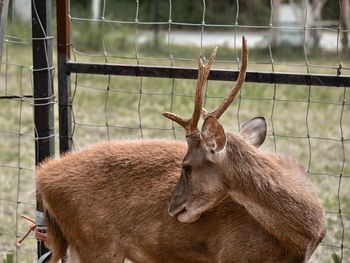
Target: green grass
(290, 116)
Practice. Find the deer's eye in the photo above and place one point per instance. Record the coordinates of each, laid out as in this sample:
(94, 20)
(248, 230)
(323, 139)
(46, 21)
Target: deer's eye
(187, 169)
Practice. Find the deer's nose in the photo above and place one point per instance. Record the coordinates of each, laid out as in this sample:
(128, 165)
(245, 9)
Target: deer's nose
(174, 208)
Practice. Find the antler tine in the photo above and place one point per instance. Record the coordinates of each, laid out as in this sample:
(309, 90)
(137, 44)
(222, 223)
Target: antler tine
(236, 87)
(203, 73)
(190, 125)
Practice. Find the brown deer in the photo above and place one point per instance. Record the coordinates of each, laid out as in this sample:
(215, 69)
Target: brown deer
(110, 201)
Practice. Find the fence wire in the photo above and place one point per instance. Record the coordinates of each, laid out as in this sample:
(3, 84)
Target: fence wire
(17, 151)
(20, 137)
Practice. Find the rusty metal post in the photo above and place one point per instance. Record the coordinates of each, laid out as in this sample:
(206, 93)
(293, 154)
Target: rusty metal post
(64, 89)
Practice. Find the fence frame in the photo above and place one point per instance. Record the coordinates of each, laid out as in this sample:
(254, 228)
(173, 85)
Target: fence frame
(64, 90)
(43, 94)
(67, 67)
(192, 73)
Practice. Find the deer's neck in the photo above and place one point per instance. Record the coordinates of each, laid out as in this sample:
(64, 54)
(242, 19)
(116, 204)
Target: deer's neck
(275, 193)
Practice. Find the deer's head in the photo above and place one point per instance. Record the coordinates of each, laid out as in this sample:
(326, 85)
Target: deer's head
(201, 185)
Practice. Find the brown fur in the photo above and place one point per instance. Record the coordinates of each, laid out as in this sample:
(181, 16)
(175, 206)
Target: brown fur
(295, 216)
(110, 201)
(275, 190)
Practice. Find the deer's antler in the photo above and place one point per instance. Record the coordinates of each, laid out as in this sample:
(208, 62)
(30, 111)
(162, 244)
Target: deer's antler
(235, 88)
(190, 125)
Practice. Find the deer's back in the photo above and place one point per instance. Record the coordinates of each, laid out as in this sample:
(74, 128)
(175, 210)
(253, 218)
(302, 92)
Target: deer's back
(112, 174)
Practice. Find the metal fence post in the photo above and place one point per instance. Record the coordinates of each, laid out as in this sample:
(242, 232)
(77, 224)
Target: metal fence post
(43, 88)
(4, 6)
(64, 90)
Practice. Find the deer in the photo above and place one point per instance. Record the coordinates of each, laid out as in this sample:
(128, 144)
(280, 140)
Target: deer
(214, 198)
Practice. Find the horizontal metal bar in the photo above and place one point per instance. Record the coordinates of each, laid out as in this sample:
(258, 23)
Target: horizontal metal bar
(191, 73)
(15, 97)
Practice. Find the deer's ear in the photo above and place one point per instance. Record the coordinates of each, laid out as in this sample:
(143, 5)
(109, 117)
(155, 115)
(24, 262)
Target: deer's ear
(213, 134)
(254, 131)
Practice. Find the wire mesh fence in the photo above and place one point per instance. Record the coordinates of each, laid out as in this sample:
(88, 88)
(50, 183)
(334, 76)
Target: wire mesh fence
(24, 71)
(17, 151)
(306, 121)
